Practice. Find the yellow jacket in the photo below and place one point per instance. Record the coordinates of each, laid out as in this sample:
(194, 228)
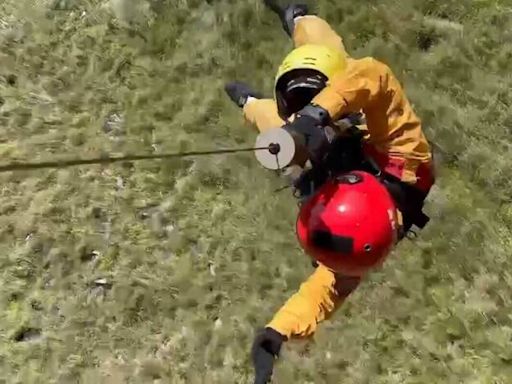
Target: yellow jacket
(396, 138)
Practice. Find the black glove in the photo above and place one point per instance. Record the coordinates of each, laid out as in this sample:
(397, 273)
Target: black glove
(309, 181)
(239, 92)
(265, 349)
(309, 123)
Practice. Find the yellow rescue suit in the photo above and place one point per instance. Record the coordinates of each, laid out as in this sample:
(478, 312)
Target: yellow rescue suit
(396, 141)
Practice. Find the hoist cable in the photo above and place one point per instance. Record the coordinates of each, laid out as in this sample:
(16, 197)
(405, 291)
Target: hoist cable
(64, 163)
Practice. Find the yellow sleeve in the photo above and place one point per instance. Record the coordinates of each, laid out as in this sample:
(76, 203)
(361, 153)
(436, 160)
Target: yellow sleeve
(262, 113)
(317, 299)
(352, 90)
(395, 131)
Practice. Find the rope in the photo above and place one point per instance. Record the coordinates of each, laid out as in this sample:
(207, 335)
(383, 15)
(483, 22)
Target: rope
(64, 163)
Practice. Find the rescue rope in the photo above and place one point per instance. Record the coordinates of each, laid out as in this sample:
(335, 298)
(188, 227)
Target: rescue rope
(64, 163)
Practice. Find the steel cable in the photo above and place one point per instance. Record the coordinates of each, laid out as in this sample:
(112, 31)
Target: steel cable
(64, 163)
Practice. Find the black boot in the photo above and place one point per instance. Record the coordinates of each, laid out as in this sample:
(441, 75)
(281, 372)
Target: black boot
(288, 13)
(239, 92)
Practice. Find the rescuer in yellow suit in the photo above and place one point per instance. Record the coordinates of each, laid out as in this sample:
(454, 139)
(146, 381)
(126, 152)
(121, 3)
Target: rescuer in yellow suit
(316, 85)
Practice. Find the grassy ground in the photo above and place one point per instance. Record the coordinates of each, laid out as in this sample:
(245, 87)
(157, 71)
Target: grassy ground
(160, 271)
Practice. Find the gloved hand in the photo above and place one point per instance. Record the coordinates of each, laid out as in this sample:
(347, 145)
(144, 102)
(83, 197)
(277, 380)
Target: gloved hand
(309, 123)
(265, 349)
(239, 92)
(307, 183)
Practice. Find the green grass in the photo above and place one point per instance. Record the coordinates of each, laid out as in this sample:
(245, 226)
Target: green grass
(196, 254)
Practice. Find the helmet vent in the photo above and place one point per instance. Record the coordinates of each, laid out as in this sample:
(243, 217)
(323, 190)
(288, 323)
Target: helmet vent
(368, 248)
(349, 178)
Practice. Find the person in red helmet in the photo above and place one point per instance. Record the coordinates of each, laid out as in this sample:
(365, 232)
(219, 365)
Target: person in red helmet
(347, 226)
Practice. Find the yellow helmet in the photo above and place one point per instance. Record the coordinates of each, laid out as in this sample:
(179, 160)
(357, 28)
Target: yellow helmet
(303, 74)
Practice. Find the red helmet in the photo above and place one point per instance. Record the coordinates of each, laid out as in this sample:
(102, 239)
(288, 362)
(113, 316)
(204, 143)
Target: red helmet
(350, 224)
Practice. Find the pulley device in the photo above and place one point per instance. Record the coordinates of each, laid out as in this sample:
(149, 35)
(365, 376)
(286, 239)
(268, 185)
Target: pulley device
(289, 155)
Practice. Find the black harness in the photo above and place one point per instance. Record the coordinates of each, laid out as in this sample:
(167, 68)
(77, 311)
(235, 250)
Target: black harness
(345, 154)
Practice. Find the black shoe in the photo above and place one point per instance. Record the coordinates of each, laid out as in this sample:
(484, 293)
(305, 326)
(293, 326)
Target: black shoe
(288, 13)
(240, 92)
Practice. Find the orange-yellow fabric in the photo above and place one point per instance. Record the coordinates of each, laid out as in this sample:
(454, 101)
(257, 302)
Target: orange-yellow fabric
(262, 113)
(314, 30)
(394, 128)
(318, 298)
